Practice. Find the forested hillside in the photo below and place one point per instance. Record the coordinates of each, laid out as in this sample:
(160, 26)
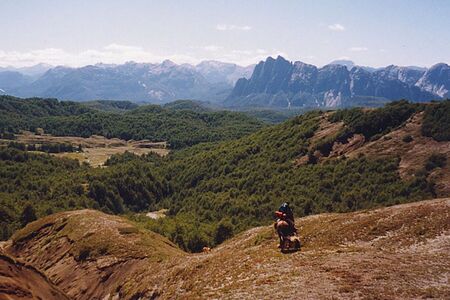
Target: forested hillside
(180, 128)
(240, 183)
(214, 190)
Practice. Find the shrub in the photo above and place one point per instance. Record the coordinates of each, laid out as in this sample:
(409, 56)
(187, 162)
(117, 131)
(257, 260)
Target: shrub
(224, 231)
(28, 214)
(377, 121)
(436, 121)
(407, 138)
(436, 160)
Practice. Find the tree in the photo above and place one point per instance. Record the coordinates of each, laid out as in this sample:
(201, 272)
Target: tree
(28, 214)
(224, 231)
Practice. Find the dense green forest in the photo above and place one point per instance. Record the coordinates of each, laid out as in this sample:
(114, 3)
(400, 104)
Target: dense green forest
(214, 190)
(48, 184)
(39, 184)
(111, 105)
(436, 122)
(180, 128)
(241, 182)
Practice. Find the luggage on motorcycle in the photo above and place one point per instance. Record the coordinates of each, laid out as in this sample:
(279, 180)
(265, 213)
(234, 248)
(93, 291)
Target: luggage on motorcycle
(290, 244)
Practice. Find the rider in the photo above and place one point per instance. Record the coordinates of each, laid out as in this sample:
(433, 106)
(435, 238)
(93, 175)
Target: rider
(285, 213)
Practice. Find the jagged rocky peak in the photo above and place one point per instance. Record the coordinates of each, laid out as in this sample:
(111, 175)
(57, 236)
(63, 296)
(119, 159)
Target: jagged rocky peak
(333, 77)
(137, 81)
(337, 84)
(303, 76)
(168, 63)
(436, 80)
(404, 74)
(361, 82)
(221, 72)
(343, 62)
(303, 70)
(338, 68)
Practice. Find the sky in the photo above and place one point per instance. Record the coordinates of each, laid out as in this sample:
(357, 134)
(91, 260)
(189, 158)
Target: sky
(80, 32)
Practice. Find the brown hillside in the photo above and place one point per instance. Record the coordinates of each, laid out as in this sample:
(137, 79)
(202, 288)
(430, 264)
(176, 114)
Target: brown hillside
(413, 154)
(88, 253)
(22, 281)
(400, 252)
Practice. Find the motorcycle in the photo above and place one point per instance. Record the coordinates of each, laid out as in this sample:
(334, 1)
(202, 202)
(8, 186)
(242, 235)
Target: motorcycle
(289, 240)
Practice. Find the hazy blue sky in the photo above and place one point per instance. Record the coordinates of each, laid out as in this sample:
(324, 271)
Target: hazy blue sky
(374, 33)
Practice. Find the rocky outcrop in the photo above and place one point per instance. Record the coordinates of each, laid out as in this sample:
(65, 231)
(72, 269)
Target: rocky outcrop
(335, 85)
(436, 80)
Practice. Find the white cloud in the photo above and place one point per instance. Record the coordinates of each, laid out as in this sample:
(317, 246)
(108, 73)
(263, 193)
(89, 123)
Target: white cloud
(118, 54)
(113, 53)
(212, 48)
(336, 27)
(248, 57)
(358, 49)
(224, 27)
(118, 47)
(246, 52)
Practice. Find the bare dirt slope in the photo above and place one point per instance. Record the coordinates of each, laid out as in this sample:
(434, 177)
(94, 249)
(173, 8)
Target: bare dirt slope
(22, 281)
(89, 254)
(400, 252)
(413, 154)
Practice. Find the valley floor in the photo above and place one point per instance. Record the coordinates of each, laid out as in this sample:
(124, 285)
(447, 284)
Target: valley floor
(399, 252)
(96, 149)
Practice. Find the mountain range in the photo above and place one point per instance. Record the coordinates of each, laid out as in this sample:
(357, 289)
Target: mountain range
(139, 82)
(281, 83)
(274, 83)
(32, 71)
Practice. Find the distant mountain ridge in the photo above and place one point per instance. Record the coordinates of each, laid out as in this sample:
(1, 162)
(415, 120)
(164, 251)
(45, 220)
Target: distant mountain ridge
(139, 82)
(281, 83)
(273, 83)
(34, 70)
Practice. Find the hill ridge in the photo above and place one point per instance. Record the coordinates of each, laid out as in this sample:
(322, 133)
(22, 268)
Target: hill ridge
(338, 250)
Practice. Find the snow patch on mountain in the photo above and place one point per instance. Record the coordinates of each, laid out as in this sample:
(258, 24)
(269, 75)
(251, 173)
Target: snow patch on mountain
(439, 90)
(331, 99)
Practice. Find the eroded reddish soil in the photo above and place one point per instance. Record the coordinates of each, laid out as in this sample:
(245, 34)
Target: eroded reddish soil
(399, 252)
(22, 281)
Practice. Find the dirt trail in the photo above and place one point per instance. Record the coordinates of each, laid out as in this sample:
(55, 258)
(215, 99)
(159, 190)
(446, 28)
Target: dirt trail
(399, 252)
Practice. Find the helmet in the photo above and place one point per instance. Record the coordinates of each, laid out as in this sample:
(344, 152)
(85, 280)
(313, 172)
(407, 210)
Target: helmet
(284, 207)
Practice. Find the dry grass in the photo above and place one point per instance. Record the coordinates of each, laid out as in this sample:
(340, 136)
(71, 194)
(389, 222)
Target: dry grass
(413, 154)
(88, 252)
(399, 252)
(96, 149)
